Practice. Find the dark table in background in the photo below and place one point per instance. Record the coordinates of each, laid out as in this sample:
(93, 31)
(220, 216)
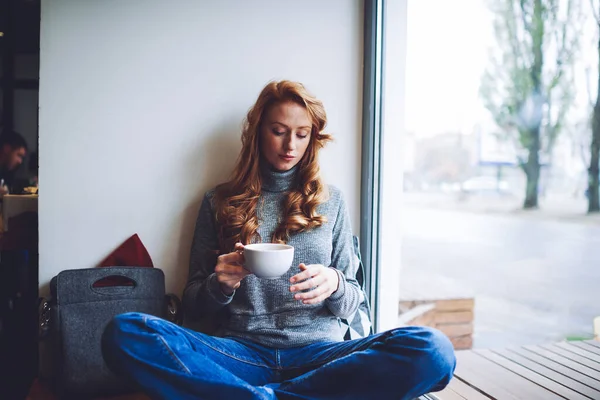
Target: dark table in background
(19, 305)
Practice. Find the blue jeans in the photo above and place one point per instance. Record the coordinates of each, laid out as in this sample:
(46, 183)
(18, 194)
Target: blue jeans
(170, 362)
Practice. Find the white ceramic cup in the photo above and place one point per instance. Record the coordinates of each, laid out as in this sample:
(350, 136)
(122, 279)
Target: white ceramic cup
(268, 260)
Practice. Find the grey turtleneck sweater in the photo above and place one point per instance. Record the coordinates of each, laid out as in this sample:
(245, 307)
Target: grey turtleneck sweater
(264, 310)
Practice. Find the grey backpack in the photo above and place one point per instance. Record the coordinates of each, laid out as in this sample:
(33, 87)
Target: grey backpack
(81, 305)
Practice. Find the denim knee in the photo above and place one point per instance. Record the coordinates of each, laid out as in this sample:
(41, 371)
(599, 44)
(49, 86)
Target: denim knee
(434, 356)
(122, 323)
(116, 331)
(442, 356)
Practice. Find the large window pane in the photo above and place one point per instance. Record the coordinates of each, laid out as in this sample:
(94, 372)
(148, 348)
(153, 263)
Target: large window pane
(496, 154)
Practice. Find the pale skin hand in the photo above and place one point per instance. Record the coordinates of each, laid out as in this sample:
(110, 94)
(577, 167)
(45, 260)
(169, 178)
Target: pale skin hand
(325, 282)
(229, 270)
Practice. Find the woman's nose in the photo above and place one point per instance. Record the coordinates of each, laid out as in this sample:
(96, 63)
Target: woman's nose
(290, 143)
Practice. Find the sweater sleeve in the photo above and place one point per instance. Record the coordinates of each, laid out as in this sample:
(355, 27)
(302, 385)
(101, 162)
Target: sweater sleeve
(202, 295)
(344, 302)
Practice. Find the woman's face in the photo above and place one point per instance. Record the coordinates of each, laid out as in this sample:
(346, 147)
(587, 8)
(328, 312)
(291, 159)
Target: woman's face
(285, 135)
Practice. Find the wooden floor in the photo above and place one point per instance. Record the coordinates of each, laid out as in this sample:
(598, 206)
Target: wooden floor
(568, 370)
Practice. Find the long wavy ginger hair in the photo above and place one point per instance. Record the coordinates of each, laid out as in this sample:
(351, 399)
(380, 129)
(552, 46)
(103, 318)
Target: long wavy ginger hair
(236, 201)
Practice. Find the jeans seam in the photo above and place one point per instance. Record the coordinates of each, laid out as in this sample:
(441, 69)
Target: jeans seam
(170, 351)
(230, 355)
(327, 360)
(314, 364)
(174, 356)
(277, 359)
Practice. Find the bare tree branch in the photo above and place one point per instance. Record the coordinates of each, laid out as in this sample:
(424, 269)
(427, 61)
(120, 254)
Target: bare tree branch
(513, 39)
(563, 52)
(526, 24)
(595, 11)
(588, 86)
(584, 151)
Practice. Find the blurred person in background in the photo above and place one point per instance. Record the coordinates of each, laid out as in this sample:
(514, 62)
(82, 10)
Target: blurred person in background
(13, 150)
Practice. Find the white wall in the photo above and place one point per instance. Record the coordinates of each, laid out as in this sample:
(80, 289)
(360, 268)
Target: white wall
(141, 104)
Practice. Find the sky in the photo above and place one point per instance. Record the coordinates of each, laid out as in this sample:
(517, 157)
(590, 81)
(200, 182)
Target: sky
(447, 53)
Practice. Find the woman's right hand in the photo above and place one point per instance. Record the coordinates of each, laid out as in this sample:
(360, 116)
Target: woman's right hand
(229, 270)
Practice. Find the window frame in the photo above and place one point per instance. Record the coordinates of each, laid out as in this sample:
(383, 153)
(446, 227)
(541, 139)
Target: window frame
(371, 149)
(382, 157)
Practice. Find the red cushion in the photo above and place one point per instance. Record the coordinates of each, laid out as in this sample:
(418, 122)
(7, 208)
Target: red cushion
(132, 253)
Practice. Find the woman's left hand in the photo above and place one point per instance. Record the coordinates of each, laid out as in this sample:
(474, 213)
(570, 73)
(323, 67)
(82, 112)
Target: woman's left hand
(319, 280)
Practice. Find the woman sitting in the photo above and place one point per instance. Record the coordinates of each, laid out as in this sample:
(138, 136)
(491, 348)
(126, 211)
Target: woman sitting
(278, 338)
